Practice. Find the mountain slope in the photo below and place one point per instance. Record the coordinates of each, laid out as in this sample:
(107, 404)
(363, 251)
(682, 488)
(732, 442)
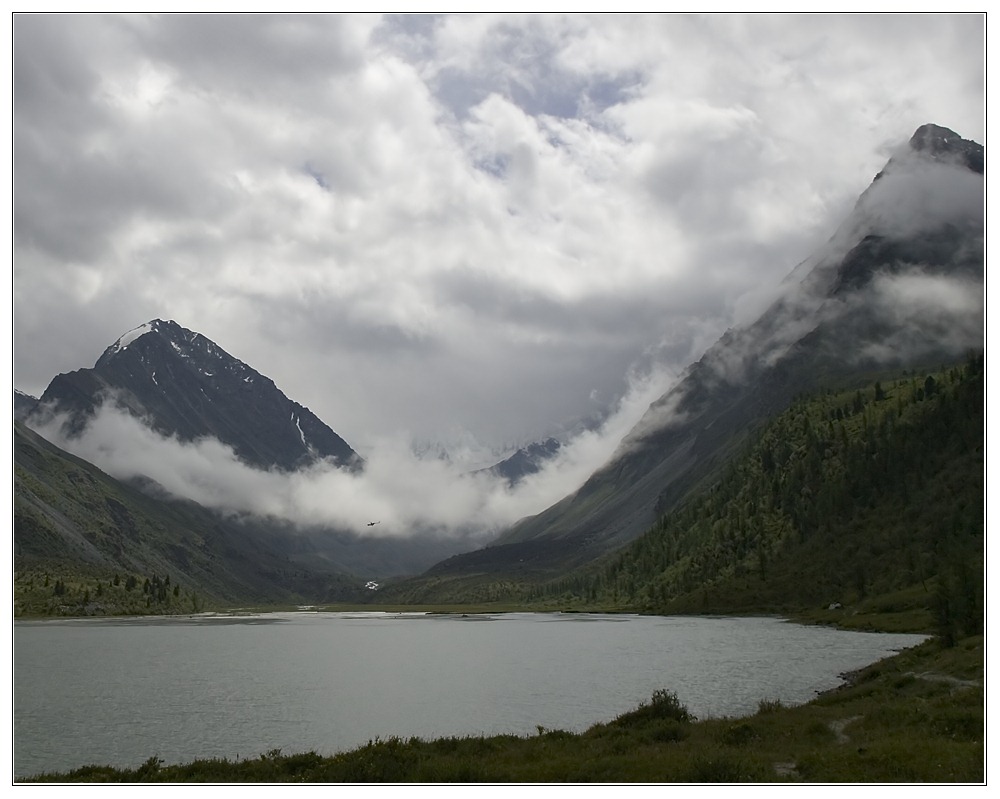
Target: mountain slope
(24, 404)
(899, 284)
(847, 507)
(187, 386)
(184, 387)
(72, 518)
(877, 491)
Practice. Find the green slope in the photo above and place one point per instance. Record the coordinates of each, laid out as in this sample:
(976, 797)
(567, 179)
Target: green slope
(75, 525)
(857, 498)
(868, 498)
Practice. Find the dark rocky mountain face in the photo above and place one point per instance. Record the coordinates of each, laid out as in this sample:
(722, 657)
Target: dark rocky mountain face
(187, 386)
(900, 285)
(527, 460)
(24, 404)
(943, 144)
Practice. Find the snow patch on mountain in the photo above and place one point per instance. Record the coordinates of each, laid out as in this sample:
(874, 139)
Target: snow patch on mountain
(131, 336)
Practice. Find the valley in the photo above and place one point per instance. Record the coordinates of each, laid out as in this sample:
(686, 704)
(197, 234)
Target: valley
(825, 463)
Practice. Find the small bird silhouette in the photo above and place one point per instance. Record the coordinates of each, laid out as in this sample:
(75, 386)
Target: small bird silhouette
(372, 524)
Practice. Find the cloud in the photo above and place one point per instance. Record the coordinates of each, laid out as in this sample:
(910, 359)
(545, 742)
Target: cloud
(448, 227)
(915, 193)
(410, 495)
(927, 313)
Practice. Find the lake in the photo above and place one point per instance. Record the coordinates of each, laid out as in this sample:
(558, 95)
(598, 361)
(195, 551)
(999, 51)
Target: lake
(118, 691)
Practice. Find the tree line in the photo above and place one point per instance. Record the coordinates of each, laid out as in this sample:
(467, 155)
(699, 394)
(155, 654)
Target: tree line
(844, 495)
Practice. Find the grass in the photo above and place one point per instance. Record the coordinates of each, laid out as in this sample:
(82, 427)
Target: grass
(915, 717)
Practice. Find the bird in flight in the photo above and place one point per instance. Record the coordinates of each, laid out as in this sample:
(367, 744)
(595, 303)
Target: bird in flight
(372, 524)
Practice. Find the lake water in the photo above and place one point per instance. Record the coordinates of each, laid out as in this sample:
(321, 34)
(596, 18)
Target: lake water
(118, 691)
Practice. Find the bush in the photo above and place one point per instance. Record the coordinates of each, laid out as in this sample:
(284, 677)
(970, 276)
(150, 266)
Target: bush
(766, 706)
(739, 734)
(149, 769)
(664, 705)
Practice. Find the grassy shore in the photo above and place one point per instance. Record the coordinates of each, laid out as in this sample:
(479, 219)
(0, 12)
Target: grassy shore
(915, 717)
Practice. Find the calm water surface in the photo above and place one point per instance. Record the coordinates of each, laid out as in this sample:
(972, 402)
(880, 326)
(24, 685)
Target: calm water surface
(118, 691)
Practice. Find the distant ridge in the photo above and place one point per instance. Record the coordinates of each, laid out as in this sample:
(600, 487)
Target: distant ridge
(526, 461)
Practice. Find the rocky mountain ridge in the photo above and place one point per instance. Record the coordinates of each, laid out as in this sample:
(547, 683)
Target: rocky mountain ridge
(185, 385)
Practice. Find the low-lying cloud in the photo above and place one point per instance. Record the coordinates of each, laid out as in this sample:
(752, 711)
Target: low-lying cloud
(927, 313)
(406, 493)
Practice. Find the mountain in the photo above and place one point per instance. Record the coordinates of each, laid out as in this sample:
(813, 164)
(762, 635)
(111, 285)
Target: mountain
(181, 384)
(75, 521)
(72, 518)
(24, 404)
(899, 285)
(526, 461)
(843, 499)
(184, 385)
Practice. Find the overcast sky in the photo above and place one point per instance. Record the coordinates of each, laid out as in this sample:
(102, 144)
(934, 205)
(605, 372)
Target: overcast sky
(472, 230)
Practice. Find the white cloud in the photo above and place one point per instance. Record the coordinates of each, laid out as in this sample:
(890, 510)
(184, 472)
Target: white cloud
(444, 228)
(408, 494)
(928, 312)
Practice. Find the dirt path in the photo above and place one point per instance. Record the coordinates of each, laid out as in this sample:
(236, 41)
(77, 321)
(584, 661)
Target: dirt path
(947, 678)
(838, 727)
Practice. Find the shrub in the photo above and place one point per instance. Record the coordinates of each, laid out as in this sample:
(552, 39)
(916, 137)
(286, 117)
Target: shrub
(149, 769)
(739, 734)
(766, 706)
(664, 705)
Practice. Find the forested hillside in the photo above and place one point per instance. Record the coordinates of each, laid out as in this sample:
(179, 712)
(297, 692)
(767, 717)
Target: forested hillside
(865, 499)
(845, 496)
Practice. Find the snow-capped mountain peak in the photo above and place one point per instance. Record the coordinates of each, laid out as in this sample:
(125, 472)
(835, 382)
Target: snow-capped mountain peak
(187, 386)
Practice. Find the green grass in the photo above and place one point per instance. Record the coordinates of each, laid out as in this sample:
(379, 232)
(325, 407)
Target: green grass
(915, 717)
(74, 591)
